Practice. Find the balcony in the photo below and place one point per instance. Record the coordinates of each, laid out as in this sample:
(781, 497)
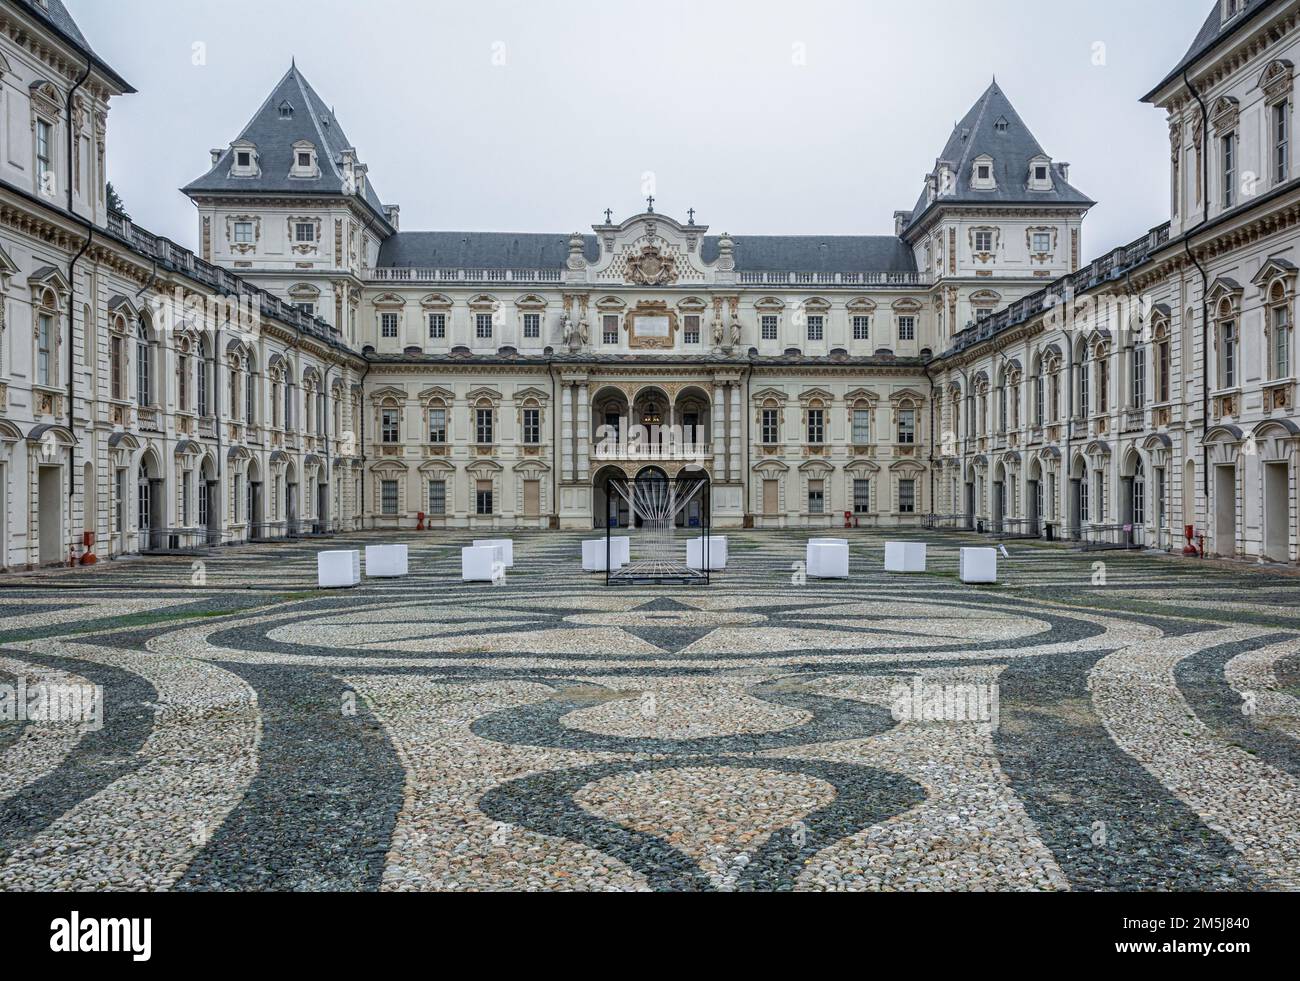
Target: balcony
(395, 274)
(651, 452)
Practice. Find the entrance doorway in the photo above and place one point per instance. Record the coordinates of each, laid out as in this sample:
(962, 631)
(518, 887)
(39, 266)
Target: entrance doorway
(1225, 510)
(1277, 512)
(49, 514)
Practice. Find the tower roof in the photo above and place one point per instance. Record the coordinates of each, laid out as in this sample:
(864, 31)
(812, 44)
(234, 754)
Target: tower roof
(55, 16)
(1212, 32)
(291, 114)
(994, 129)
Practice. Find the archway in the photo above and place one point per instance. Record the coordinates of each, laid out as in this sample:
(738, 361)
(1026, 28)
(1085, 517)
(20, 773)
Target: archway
(602, 513)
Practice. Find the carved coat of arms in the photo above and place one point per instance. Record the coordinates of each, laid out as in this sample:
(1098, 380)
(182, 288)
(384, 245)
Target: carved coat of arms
(650, 267)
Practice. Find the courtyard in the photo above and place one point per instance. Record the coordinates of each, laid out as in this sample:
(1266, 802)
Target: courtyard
(1104, 721)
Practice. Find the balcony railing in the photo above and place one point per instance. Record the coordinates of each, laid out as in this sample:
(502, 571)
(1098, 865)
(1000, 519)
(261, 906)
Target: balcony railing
(835, 279)
(431, 274)
(664, 452)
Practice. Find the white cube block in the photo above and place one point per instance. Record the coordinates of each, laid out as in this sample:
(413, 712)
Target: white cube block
(979, 565)
(717, 557)
(595, 553)
(386, 561)
(338, 570)
(481, 564)
(828, 541)
(505, 544)
(620, 551)
(828, 560)
(904, 556)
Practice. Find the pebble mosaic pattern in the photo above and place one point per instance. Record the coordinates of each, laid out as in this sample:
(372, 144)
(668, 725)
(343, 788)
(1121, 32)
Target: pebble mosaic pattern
(1125, 726)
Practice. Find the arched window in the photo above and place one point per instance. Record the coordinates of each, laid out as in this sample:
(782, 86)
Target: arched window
(143, 500)
(201, 391)
(250, 395)
(1139, 494)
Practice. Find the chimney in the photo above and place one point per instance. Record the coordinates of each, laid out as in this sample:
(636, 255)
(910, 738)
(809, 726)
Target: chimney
(1065, 171)
(216, 154)
(393, 212)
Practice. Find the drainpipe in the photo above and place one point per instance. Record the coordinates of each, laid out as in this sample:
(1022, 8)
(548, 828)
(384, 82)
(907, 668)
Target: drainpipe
(214, 400)
(1205, 285)
(325, 428)
(361, 389)
(746, 476)
(925, 368)
(555, 443)
(72, 312)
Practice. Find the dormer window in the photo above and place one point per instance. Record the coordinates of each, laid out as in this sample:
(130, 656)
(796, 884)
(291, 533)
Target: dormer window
(244, 160)
(304, 160)
(286, 110)
(982, 178)
(1231, 8)
(1040, 174)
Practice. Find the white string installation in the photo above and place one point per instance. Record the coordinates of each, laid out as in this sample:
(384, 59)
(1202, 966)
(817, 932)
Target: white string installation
(657, 502)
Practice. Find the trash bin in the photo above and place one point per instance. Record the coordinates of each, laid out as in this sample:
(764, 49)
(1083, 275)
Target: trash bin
(1051, 532)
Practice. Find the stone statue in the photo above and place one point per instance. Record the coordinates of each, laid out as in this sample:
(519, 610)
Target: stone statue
(717, 332)
(734, 332)
(575, 334)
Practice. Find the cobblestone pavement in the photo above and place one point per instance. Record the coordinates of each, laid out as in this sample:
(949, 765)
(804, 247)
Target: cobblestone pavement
(1096, 721)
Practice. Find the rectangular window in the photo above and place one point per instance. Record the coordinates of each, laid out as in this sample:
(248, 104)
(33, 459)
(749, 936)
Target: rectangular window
(907, 328)
(304, 231)
(437, 497)
(483, 497)
(532, 426)
(390, 422)
(388, 325)
(1229, 169)
(1281, 342)
(691, 332)
(532, 326)
(44, 340)
(437, 426)
(816, 427)
(236, 498)
(769, 323)
(816, 327)
(907, 497)
(861, 328)
(115, 360)
(304, 161)
(1038, 400)
(861, 426)
(771, 426)
(1042, 242)
(483, 426)
(609, 329)
(437, 326)
(983, 241)
(1281, 142)
(244, 232)
(388, 497)
(861, 497)
(1164, 361)
(907, 426)
(816, 497)
(1139, 377)
(120, 502)
(483, 326)
(186, 479)
(44, 157)
(308, 308)
(771, 496)
(1229, 354)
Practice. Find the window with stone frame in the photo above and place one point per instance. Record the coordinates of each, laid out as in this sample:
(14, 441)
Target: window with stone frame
(437, 326)
(770, 429)
(861, 328)
(861, 496)
(816, 326)
(532, 427)
(484, 425)
(816, 496)
(483, 503)
(1280, 126)
(861, 425)
(906, 496)
(691, 329)
(1280, 329)
(816, 426)
(390, 425)
(1139, 382)
(1226, 334)
(907, 426)
(609, 328)
(532, 326)
(388, 497)
(907, 328)
(389, 322)
(437, 503)
(437, 424)
(769, 326)
(483, 326)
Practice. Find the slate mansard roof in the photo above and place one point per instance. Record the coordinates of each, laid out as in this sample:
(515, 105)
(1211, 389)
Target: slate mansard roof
(1214, 30)
(753, 253)
(993, 127)
(55, 16)
(274, 135)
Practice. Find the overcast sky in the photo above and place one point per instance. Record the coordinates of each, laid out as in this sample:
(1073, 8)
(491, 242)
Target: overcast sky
(808, 117)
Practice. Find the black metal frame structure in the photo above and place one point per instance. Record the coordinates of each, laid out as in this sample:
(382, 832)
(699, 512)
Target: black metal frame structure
(657, 501)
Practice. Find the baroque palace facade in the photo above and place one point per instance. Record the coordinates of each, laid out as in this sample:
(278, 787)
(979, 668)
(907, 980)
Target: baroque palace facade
(313, 367)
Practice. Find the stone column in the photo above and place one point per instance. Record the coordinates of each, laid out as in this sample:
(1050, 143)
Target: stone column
(719, 412)
(566, 431)
(735, 432)
(584, 431)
